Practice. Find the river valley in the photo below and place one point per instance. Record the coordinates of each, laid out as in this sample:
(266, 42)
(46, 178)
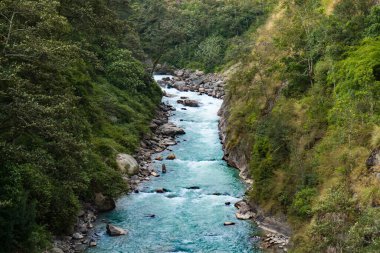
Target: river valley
(190, 216)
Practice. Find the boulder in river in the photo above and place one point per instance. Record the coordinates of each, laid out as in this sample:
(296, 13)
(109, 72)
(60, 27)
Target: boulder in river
(170, 129)
(163, 168)
(154, 174)
(104, 203)
(115, 231)
(92, 243)
(171, 157)
(161, 190)
(190, 103)
(159, 158)
(127, 164)
(193, 188)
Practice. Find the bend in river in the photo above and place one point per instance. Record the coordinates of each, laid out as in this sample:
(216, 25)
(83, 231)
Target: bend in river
(186, 220)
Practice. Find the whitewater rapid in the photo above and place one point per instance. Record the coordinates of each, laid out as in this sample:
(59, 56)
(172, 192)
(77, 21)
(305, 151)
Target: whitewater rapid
(185, 220)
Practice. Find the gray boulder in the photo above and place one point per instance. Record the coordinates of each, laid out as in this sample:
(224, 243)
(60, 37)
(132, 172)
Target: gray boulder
(56, 250)
(104, 203)
(127, 164)
(115, 231)
(170, 129)
(190, 103)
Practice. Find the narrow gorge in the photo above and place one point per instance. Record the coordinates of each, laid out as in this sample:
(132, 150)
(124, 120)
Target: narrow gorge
(189, 126)
(188, 207)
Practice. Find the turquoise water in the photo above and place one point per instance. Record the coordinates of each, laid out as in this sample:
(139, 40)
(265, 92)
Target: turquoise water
(185, 220)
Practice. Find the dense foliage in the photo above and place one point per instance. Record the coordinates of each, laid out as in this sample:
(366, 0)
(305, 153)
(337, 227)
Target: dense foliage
(304, 95)
(197, 34)
(72, 96)
(307, 99)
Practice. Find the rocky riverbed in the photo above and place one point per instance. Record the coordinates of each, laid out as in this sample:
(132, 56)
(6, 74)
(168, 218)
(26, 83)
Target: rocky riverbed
(276, 233)
(140, 167)
(196, 81)
(162, 136)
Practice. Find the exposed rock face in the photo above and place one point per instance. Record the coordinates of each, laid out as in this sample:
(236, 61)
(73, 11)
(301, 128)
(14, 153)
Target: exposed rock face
(236, 156)
(127, 164)
(374, 159)
(103, 203)
(373, 165)
(244, 211)
(170, 129)
(115, 231)
(245, 216)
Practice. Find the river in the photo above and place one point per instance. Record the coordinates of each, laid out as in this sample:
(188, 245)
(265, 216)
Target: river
(185, 220)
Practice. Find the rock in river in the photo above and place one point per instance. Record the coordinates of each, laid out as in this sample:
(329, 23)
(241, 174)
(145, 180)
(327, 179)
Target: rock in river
(171, 157)
(154, 174)
(170, 129)
(92, 243)
(115, 231)
(159, 158)
(161, 190)
(190, 103)
(193, 188)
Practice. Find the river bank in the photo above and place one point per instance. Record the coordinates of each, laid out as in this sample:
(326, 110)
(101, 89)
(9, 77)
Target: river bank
(189, 207)
(162, 136)
(84, 235)
(276, 231)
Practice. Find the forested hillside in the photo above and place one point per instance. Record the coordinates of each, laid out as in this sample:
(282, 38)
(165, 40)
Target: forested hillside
(306, 103)
(197, 34)
(302, 107)
(73, 94)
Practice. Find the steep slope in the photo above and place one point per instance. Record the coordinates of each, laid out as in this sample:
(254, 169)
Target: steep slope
(302, 117)
(72, 96)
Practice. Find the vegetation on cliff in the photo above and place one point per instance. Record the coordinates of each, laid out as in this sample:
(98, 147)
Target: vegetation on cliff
(307, 99)
(304, 96)
(72, 95)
